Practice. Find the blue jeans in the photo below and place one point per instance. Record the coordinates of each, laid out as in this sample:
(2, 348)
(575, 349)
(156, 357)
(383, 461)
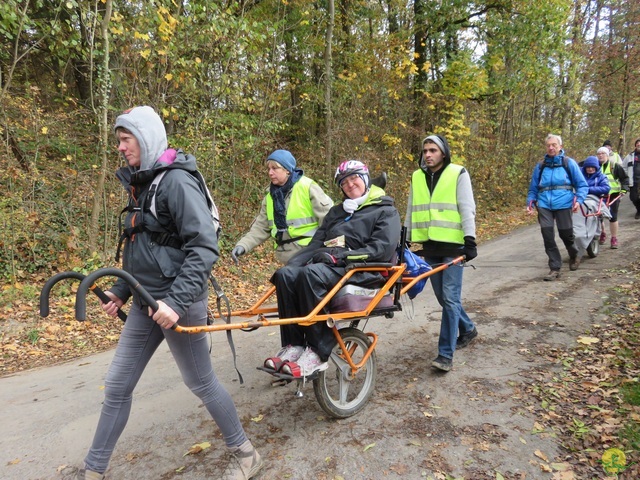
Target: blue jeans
(447, 286)
(139, 339)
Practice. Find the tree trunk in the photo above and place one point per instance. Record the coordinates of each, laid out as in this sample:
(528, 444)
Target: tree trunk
(104, 89)
(328, 79)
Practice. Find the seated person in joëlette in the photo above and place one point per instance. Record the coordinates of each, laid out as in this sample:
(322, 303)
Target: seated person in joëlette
(364, 227)
(597, 181)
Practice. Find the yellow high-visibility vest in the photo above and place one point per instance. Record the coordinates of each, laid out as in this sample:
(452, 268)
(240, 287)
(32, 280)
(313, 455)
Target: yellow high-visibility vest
(300, 219)
(613, 183)
(436, 217)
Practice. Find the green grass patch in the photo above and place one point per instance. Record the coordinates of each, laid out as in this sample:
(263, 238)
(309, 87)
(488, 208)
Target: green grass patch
(631, 393)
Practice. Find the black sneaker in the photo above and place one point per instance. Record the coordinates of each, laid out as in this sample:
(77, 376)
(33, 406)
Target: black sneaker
(466, 338)
(442, 363)
(637, 217)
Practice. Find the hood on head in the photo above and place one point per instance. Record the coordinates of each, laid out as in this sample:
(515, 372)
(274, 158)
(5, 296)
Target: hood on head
(147, 126)
(441, 143)
(591, 161)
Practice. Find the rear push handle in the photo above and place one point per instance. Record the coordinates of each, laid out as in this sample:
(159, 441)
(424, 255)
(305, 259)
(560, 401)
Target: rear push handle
(46, 291)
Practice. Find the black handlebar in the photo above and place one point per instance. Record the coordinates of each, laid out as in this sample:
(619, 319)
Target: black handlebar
(46, 290)
(89, 280)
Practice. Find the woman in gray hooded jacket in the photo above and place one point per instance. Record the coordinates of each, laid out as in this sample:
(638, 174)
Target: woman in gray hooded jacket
(171, 254)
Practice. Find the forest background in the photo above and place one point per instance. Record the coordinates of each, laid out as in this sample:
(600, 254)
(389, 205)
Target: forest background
(327, 80)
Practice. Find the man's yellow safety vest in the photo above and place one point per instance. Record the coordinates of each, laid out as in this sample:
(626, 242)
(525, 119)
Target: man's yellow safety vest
(436, 217)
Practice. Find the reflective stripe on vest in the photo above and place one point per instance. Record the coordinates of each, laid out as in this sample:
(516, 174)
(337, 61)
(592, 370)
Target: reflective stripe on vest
(613, 182)
(300, 219)
(436, 217)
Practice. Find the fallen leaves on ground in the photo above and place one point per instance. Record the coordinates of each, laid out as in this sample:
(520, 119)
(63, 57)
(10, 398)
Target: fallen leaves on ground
(29, 341)
(580, 401)
(197, 448)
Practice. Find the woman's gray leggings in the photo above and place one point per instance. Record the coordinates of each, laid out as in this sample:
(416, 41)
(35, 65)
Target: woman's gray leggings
(139, 339)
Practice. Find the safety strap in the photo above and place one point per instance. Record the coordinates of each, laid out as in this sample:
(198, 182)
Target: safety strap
(281, 242)
(556, 187)
(220, 296)
(164, 238)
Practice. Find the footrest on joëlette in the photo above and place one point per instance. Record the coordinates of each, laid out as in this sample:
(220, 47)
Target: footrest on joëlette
(284, 376)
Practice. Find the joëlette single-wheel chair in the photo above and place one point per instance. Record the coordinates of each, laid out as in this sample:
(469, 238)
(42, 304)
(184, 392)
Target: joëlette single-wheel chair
(347, 385)
(588, 224)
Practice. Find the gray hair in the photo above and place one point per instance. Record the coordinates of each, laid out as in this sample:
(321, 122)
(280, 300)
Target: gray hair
(558, 138)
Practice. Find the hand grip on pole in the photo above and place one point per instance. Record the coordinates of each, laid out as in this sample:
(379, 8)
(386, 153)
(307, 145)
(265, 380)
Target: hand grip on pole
(89, 280)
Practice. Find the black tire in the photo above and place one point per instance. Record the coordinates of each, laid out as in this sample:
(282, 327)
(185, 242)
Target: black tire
(340, 393)
(593, 248)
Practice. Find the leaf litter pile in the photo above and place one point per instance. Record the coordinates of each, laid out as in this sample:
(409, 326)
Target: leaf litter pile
(591, 401)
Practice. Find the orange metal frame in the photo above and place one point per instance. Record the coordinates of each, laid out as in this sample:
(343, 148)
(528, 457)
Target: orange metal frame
(259, 309)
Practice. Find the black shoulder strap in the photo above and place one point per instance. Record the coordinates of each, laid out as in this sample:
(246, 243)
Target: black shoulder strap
(147, 204)
(565, 165)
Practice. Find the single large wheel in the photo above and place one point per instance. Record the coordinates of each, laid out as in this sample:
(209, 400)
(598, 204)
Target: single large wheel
(340, 393)
(594, 247)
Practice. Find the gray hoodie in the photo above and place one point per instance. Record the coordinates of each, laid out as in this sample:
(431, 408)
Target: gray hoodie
(148, 128)
(177, 276)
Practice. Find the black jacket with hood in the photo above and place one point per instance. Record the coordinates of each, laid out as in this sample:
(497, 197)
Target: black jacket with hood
(177, 276)
(371, 233)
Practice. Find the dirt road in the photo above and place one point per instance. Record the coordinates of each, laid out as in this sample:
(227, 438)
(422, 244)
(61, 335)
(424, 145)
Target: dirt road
(470, 423)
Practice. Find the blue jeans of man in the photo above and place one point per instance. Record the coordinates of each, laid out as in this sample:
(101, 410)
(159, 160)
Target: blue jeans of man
(447, 286)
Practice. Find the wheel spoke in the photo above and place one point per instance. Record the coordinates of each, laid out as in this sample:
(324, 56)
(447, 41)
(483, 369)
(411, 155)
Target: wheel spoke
(343, 385)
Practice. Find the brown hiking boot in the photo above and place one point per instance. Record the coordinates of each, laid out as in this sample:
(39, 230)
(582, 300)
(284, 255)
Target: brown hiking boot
(552, 275)
(574, 263)
(84, 474)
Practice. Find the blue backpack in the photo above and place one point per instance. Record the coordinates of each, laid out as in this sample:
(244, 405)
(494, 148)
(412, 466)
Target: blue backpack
(416, 266)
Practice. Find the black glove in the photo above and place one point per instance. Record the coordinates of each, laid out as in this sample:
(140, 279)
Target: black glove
(470, 249)
(238, 251)
(328, 259)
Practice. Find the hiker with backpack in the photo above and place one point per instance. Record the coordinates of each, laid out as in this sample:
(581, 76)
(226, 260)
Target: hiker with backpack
(171, 253)
(557, 188)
